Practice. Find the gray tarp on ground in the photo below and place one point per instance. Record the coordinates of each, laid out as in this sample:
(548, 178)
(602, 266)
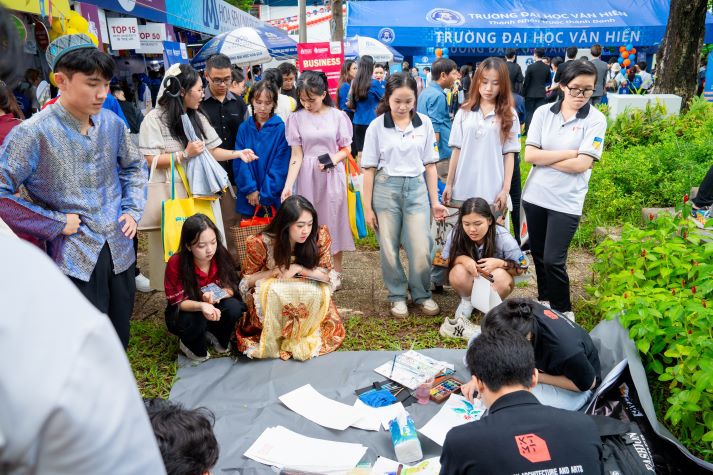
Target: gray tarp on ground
(244, 397)
(614, 346)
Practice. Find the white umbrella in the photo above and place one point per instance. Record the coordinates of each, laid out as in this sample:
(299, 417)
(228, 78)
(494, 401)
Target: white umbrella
(357, 46)
(249, 45)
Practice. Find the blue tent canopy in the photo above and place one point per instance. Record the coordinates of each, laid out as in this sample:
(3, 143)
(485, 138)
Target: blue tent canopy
(513, 23)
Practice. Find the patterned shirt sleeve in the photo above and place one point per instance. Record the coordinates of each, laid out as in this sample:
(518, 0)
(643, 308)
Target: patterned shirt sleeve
(18, 159)
(324, 243)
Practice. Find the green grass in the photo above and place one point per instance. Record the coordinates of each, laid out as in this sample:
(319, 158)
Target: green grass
(152, 354)
(365, 333)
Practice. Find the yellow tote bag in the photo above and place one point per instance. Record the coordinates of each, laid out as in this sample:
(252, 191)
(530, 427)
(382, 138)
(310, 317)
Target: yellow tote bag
(175, 211)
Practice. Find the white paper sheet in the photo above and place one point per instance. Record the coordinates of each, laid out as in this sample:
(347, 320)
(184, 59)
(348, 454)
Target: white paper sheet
(455, 411)
(411, 368)
(280, 447)
(383, 466)
(373, 418)
(484, 297)
(309, 403)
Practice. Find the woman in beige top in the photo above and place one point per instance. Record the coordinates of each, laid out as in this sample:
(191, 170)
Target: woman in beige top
(162, 135)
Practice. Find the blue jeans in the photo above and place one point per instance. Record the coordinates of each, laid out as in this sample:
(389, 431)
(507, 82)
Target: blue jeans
(402, 208)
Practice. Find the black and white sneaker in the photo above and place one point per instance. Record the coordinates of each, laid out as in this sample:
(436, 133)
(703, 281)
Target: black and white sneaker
(459, 327)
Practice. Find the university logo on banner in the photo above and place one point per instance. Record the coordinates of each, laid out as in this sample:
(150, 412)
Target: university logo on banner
(386, 35)
(445, 16)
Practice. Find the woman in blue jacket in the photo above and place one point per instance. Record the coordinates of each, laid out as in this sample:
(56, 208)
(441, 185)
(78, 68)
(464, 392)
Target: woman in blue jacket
(260, 182)
(364, 97)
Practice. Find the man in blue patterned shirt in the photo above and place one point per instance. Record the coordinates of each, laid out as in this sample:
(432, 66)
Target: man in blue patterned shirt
(85, 179)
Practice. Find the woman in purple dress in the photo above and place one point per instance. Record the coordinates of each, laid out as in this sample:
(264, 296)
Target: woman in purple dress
(320, 136)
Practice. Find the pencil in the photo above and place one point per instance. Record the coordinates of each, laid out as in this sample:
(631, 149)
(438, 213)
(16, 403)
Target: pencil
(392, 367)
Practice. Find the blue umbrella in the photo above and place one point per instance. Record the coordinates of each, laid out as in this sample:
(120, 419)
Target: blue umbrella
(249, 45)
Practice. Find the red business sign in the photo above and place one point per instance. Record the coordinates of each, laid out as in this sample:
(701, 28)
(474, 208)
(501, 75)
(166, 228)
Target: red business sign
(326, 57)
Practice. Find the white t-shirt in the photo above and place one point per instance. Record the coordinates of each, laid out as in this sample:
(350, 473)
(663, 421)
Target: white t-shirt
(481, 167)
(399, 152)
(551, 188)
(69, 399)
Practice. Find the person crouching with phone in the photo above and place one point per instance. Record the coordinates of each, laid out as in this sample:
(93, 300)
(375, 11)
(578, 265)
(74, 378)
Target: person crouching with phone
(201, 284)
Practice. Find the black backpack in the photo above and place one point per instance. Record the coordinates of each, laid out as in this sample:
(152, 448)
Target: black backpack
(625, 450)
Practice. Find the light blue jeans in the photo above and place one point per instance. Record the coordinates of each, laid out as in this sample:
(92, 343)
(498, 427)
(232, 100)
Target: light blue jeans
(559, 397)
(402, 208)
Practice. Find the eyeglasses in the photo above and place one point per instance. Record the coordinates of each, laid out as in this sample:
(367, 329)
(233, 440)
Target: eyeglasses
(221, 82)
(583, 92)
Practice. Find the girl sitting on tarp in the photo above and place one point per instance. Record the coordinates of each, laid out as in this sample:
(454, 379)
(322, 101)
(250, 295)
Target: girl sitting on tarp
(286, 285)
(201, 284)
(478, 248)
(260, 182)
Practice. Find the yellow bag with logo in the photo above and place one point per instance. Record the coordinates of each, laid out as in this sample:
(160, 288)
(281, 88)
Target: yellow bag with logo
(175, 211)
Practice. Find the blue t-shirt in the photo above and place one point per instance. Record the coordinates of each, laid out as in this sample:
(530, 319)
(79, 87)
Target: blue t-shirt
(366, 108)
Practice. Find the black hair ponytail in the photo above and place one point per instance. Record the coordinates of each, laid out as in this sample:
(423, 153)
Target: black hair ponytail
(513, 314)
(313, 83)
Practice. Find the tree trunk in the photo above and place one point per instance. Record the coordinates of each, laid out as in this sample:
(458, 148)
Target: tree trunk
(337, 21)
(677, 57)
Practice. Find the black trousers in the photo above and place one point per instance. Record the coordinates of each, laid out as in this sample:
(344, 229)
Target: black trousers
(516, 196)
(112, 294)
(704, 197)
(550, 233)
(191, 327)
(532, 103)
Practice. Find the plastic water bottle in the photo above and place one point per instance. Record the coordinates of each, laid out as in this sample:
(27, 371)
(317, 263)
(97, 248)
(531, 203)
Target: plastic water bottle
(405, 439)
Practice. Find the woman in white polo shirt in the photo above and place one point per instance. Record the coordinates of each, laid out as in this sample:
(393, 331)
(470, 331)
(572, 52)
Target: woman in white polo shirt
(563, 142)
(400, 149)
(484, 139)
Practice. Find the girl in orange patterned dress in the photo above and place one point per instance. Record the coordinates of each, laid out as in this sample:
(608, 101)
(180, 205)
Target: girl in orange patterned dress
(287, 286)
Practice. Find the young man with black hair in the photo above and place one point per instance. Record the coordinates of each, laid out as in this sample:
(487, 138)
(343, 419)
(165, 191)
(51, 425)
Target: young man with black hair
(432, 102)
(86, 179)
(602, 69)
(570, 56)
(185, 437)
(647, 80)
(517, 434)
(514, 70)
(537, 76)
(289, 80)
(226, 112)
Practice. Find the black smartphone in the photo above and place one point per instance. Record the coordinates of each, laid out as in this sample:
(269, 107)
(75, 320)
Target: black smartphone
(326, 160)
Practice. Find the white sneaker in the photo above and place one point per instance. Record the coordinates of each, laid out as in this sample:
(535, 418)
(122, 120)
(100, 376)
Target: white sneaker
(459, 327)
(143, 284)
(213, 340)
(430, 307)
(569, 315)
(192, 356)
(399, 309)
(465, 309)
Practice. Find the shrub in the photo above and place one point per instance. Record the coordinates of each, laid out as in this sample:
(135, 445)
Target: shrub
(649, 161)
(658, 282)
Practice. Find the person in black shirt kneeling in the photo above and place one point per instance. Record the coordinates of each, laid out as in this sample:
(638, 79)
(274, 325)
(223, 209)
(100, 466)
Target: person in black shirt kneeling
(565, 356)
(518, 434)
